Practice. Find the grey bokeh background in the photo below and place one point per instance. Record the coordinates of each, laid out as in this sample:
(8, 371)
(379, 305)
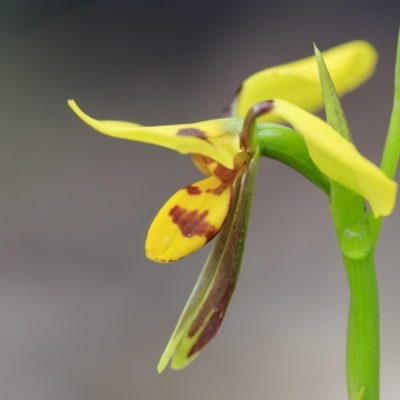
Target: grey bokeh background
(84, 315)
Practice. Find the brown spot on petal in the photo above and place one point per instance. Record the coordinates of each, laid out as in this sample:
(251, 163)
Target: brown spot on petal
(225, 174)
(193, 190)
(192, 132)
(192, 223)
(218, 190)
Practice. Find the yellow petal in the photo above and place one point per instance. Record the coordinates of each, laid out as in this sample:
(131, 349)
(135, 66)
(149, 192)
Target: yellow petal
(217, 139)
(189, 219)
(339, 159)
(349, 64)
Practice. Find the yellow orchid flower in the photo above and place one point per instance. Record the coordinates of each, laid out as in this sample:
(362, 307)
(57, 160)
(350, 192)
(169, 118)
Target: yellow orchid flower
(225, 151)
(196, 213)
(335, 156)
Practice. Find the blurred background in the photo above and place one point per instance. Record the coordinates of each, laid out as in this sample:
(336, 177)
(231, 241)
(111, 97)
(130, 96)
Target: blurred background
(84, 315)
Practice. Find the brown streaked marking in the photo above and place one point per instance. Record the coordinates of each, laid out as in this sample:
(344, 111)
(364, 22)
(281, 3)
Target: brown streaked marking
(218, 190)
(224, 174)
(213, 324)
(193, 190)
(192, 223)
(213, 310)
(217, 300)
(207, 334)
(192, 132)
(227, 175)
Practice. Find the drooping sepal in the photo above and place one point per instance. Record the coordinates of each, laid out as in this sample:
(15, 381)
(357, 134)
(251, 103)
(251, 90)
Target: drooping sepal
(207, 305)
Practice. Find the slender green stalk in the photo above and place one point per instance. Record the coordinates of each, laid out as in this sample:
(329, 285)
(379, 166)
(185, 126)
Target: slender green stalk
(391, 152)
(354, 237)
(363, 329)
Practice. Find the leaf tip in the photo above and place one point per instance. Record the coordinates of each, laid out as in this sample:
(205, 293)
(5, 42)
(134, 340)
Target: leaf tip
(162, 364)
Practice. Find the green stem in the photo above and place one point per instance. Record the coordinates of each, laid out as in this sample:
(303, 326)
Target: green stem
(347, 209)
(287, 146)
(391, 152)
(363, 329)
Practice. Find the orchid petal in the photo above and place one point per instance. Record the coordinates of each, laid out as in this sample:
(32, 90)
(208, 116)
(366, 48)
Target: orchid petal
(339, 159)
(349, 64)
(208, 303)
(217, 139)
(189, 219)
